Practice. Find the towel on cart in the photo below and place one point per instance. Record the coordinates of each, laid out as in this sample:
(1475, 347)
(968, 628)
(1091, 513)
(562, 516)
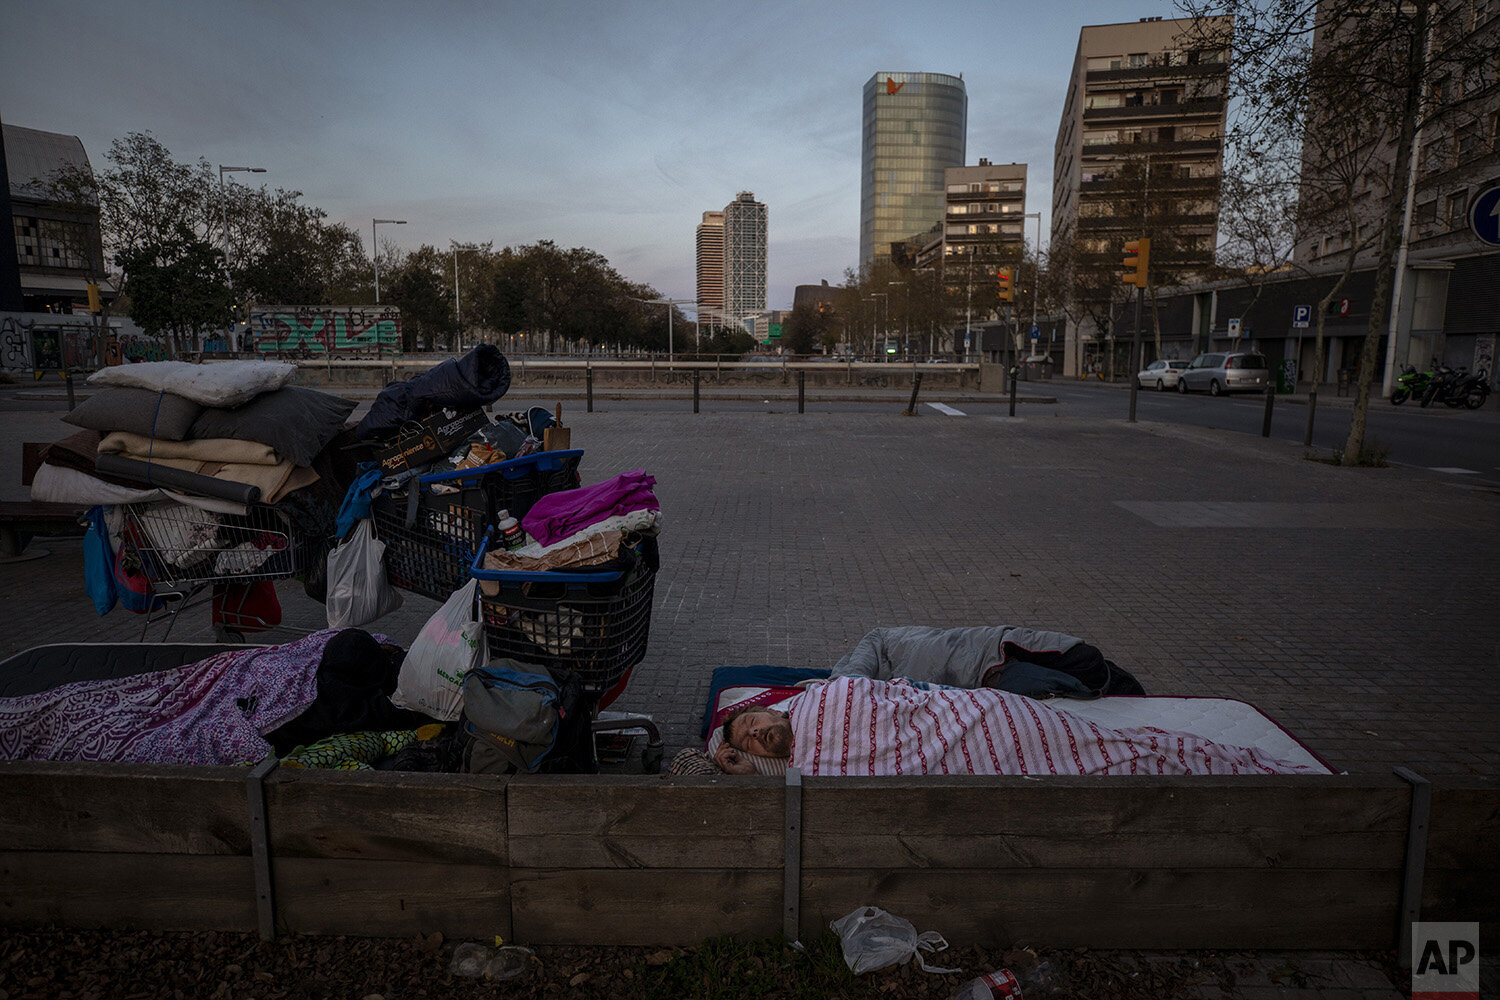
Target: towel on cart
(228, 459)
(557, 515)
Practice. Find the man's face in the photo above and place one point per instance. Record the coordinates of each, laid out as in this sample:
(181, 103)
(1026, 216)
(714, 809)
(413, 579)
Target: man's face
(762, 732)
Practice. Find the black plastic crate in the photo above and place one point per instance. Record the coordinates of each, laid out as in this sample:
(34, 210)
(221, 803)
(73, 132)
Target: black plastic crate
(431, 546)
(595, 623)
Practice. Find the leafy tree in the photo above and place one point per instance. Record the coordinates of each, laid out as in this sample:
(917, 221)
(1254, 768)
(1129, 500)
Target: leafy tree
(804, 329)
(1310, 68)
(290, 254)
(418, 285)
(176, 288)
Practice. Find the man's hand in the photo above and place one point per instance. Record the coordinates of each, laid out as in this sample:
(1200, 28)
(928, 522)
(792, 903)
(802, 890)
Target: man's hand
(732, 761)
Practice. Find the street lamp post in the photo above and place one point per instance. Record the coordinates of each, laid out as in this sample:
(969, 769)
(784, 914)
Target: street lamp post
(224, 210)
(458, 314)
(375, 249)
(669, 303)
(1036, 272)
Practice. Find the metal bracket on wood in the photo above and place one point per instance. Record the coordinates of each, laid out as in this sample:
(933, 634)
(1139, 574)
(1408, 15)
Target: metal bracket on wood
(1416, 859)
(260, 847)
(791, 888)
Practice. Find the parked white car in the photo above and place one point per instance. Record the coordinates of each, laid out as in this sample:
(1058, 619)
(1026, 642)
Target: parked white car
(1160, 375)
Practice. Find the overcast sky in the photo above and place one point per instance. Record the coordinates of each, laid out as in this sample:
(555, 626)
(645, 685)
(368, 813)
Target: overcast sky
(609, 124)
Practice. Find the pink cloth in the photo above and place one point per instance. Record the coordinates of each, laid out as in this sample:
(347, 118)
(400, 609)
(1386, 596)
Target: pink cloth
(859, 726)
(558, 515)
(210, 712)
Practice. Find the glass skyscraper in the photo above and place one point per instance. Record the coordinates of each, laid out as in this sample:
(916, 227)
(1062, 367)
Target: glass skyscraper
(915, 126)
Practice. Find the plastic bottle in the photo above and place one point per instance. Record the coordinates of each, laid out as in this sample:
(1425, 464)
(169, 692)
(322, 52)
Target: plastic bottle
(511, 535)
(1039, 980)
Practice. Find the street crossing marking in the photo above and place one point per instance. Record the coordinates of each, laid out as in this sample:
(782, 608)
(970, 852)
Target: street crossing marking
(1453, 471)
(946, 410)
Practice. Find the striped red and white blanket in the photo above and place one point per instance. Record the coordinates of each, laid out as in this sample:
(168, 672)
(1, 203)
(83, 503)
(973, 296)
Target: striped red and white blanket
(860, 726)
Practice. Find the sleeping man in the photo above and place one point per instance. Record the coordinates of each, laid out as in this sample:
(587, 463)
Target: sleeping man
(854, 725)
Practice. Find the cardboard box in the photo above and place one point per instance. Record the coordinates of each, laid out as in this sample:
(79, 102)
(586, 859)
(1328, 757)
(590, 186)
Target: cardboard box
(433, 436)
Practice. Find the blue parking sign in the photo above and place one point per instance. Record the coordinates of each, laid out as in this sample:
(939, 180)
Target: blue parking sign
(1484, 216)
(1301, 316)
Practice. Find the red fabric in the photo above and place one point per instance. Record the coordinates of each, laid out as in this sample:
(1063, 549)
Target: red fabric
(247, 607)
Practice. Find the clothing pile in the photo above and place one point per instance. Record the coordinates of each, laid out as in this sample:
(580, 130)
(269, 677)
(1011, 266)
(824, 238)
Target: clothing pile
(586, 527)
(201, 473)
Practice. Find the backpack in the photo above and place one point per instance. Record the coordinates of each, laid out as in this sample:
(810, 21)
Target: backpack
(521, 718)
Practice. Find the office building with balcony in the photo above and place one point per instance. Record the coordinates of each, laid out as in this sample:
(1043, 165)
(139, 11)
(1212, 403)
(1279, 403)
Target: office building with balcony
(58, 245)
(710, 245)
(984, 214)
(914, 128)
(744, 256)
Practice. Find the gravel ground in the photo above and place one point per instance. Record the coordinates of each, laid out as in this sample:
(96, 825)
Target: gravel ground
(97, 965)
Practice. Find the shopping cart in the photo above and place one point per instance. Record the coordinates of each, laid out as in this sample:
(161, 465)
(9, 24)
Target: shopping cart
(595, 623)
(185, 551)
(433, 526)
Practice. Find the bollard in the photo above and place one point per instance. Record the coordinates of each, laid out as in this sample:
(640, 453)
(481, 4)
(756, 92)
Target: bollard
(68, 378)
(588, 382)
(801, 390)
(1312, 408)
(916, 384)
(1012, 391)
(695, 390)
(1265, 427)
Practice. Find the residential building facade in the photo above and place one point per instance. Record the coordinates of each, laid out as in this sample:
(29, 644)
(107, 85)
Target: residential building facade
(1139, 152)
(58, 245)
(710, 244)
(915, 126)
(744, 256)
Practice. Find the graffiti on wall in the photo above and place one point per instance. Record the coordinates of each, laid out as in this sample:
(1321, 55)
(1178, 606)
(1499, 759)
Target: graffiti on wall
(325, 329)
(46, 342)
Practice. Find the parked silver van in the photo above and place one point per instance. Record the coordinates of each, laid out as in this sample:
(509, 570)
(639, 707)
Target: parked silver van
(1220, 373)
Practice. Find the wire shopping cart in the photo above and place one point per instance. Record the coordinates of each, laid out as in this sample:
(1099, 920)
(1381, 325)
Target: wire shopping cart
(595, 623)
(434, 526)
(185, 551)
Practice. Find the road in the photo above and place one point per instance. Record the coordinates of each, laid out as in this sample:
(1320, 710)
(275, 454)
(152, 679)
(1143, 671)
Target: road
(1461, 445)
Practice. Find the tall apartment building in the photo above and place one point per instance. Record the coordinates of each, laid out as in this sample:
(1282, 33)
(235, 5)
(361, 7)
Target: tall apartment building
(744, 255)
(1140, 149)
(711, 263)
(915, 128)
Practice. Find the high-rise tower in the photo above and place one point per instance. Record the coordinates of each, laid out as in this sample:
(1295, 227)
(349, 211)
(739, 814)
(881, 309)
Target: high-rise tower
(915, 126)
(711, 262)
(744, 255)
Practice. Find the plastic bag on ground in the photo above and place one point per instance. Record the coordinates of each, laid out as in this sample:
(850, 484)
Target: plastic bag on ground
(874, 939)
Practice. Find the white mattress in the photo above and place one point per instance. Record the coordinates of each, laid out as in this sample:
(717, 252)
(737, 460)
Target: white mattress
(1223, 720)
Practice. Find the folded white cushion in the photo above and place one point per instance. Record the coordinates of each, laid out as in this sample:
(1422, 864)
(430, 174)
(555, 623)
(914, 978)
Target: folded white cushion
(223, 383)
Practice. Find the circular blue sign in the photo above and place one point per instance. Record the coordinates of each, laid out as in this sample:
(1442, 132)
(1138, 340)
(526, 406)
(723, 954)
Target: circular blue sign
(1484, 216)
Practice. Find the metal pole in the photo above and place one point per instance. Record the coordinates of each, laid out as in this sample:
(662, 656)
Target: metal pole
(801, 389)
(224, 208)
(375, 256)
(696, 374)
(588, 379)
(916, 384)
(1312, 407)
(1265, 425)
(1135, 352)
(1012, 390)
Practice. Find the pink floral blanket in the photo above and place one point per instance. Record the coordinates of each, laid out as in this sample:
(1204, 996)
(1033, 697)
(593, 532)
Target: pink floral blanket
(209, 712)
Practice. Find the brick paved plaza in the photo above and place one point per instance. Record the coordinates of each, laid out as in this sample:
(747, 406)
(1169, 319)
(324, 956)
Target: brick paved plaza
(1356, 606)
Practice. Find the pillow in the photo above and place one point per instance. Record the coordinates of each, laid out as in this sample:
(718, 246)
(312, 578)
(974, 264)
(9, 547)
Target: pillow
(296, 421)
(223, 383)
(140, 411)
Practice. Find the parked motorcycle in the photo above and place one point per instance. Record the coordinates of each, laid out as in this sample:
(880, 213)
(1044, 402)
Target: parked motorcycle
(1410, 384)
(1471, 390)
(1444, 387)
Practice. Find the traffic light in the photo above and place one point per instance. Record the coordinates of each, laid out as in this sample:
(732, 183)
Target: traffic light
(1004, 289)
(1135, 266)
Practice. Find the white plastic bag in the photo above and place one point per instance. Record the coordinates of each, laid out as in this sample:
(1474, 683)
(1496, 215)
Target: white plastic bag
(358, 591)
(874, 939)
(448, 647)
